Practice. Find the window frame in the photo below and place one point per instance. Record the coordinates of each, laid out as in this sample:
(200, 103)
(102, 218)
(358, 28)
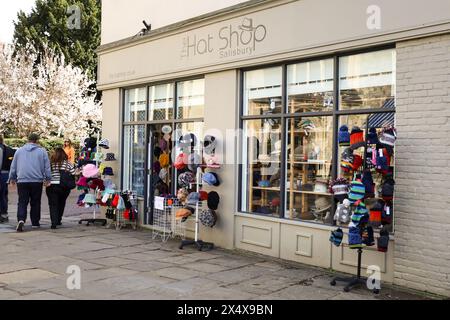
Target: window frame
(335, 113)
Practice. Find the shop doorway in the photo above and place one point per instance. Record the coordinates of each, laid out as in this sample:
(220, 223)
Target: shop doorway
(160, 182)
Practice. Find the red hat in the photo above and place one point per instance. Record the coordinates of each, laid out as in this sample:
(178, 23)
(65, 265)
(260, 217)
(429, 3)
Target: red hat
(96, 183)
(181, 161)
(203, 195)
(357, 162)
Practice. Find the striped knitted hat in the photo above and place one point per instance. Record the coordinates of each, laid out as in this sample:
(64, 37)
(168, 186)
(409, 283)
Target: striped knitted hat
(356, 138)
(357, 191)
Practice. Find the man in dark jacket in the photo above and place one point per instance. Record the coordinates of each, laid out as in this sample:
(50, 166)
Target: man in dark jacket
(30, 169)
(6, 154)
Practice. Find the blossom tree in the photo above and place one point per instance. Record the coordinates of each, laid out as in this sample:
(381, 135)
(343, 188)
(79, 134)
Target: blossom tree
(40, 92)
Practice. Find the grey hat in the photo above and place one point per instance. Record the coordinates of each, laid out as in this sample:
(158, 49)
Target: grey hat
(193, 198)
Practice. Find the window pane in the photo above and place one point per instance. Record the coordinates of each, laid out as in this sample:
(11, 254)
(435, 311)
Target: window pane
(161, 102)
(363, 159)
(367, 80)
(191, 99)
(135, 105)
(310, 86)
(262, 91)
(134, 159)
(262, 164)
(309, 166)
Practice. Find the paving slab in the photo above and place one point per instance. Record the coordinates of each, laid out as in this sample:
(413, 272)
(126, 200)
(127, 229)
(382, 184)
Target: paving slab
(23, 276)
(238, 274)
(263, 285)
(145, 266)
(178, 273)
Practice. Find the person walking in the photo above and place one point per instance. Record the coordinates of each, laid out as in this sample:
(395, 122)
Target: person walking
(30, 169)
(6, 156)
(69, 150)
(57, 193)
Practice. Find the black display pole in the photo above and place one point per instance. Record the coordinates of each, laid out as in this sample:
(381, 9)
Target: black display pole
(354, 282)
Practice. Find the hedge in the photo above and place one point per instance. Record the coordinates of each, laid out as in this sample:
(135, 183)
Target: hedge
(48, 144)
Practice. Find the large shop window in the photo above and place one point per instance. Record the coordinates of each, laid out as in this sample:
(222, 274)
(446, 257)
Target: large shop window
(134, 159)
(292, 151)
(135, 105)
(161, 102)
(190, 99)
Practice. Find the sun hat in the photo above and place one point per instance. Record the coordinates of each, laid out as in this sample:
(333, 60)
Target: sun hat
(181, 161)
(163, 144)
(213, 200)
(90, 171)
(164, 160)
(96, 184)
(185, 179)
(82, 182)
(209, 144)
(110, 157)
(108, 171)
(182, 195)
(343, 136)
(109, 185)
(194, 162)
(211, 179)
(321, 204)
(208, 218)
(183, 213)
(166, 129)
(104, 143)
(98, 156)
(193, 198)
(203, 195)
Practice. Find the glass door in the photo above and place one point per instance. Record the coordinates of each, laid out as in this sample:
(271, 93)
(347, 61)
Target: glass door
(160, 164)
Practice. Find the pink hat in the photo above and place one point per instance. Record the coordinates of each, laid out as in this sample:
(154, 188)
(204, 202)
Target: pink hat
(181, 161)
(212, 161)
(82, 182)
(90, 171)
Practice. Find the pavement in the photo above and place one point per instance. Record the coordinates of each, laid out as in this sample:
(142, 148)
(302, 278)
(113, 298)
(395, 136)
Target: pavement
(39, 264)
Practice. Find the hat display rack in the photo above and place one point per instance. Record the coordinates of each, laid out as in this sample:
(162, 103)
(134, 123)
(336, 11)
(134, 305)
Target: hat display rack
(199, 244)
(362, 186)
(94, 219)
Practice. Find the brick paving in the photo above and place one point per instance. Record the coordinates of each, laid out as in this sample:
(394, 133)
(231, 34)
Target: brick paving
(128, 264)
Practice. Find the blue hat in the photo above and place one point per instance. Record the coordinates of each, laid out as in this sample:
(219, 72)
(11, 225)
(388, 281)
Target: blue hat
(336, 237)
(367, 181)
(372, 137)
(108, 171)
(193, 198)
(344, 136)
(354, 238)
(211, 178)
(357, 191)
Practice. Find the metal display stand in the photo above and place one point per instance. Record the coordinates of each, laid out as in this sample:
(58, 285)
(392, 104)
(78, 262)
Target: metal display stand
(197, 242)
(162, 222)
(354, 282)
(94, 219)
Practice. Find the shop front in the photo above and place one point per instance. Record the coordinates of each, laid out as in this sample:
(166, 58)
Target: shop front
(296, 108)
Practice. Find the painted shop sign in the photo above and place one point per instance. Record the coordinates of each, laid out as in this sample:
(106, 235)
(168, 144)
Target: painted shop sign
(230, 41)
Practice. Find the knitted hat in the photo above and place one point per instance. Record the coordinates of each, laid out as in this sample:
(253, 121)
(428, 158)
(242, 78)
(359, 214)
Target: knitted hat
(387, 189)
(211, 178)
(357, 191)
(164, 160)
(194, 161)
(208, 218)
(372, 137)
(336, 237)
(357, 162)
(90, 171)
(354, 238)
(213, 200)
(181, 161)
(375, 213)
(367, 236)
(343, 212)
(367, 180)
(347, 160)
(383, 240)
(369, 159)
(388, 136)
(356, 138)
(186, 178)
(339, 188)
(360, 215)
(343, 136)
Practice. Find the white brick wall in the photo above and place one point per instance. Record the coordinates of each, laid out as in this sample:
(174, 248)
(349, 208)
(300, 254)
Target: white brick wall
(422, 206)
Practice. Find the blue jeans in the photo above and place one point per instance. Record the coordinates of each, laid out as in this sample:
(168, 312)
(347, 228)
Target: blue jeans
(4, 194)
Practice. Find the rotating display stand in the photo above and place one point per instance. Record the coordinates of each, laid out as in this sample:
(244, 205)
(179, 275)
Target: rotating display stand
(94, 220)
(196, 242)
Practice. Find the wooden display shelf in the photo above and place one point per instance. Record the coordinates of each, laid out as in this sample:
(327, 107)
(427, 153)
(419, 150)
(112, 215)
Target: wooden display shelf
(267, 188)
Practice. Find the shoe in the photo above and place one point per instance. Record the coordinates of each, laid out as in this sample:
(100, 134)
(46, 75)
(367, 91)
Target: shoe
(59, 224)
(53, 226)
(19, 227)
(36, 226)
(4, 219)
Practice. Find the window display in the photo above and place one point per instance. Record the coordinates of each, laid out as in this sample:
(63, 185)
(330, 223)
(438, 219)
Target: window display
(321, 184)
(134, 159)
